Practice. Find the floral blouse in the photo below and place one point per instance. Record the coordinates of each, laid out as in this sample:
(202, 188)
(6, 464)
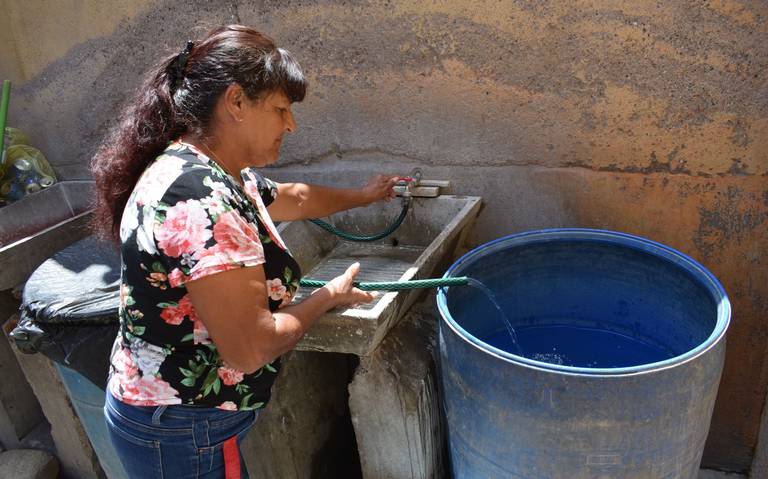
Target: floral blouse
(186, 219)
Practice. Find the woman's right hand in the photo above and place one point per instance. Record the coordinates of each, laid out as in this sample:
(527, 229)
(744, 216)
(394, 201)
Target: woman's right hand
(343, 292)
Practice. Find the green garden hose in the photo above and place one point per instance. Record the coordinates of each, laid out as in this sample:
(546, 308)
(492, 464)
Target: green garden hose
(363, 238)
(395, 285)
(383, 286)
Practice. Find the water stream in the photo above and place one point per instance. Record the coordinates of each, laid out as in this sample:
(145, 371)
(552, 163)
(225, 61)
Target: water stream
(507, 323)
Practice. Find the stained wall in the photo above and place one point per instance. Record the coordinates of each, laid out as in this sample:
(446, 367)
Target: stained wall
(644, 117)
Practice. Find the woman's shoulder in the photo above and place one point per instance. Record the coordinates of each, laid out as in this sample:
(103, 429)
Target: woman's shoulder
(183, 159)
(178, 171)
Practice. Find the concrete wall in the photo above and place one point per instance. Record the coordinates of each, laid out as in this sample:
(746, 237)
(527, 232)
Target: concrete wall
(644, 117)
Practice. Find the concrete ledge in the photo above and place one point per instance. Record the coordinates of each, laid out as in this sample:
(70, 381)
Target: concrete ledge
(20, 411)
(28, 464)
(73, 449)
(305, 430)
(395, 406)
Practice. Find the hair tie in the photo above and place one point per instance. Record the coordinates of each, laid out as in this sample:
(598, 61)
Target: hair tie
(179, 64)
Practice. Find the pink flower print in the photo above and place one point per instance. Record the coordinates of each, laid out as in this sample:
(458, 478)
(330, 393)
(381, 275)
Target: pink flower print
(230, 376)
(210, 261)
(189, 310)
(177, 277)
(185, 229)
(237, 243)
(213, 204)
(200, 333)
(172, 315)
(123, 363)
(149, 391)
(276, 289)
(251, 188)
(175, 314)
(157, 178)
(237, 238)
(228, 406)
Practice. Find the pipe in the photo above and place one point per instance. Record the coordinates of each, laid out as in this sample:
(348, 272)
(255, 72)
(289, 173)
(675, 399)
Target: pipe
(3, 117)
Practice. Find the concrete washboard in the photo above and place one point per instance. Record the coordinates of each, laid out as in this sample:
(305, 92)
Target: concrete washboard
(420, 248)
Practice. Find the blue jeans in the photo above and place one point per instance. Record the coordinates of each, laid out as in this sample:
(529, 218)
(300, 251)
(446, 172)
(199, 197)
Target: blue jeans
(174, 442)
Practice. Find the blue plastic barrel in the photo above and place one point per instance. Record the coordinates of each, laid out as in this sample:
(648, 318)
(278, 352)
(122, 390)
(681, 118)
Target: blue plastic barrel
(620, 354)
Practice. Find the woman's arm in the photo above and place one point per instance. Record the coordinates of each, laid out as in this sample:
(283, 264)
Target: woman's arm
(298, 201)
(233, 306)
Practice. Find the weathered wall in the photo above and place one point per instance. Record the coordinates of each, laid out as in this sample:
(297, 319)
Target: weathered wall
(644, 117)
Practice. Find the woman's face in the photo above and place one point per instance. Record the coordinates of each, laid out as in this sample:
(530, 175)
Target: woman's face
(263, 126)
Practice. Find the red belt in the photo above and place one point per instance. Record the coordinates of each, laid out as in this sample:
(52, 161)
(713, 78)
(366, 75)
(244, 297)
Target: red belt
(231, 459)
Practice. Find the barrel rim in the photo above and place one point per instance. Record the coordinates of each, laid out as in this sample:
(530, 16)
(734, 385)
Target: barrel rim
(694, 268)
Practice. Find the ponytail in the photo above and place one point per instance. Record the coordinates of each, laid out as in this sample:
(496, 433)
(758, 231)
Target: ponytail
(142, 132)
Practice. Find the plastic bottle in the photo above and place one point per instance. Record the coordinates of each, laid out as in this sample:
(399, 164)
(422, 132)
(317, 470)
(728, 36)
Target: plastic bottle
(27, 171)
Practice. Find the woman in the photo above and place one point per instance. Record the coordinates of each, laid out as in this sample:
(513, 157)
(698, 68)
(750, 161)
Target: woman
(207, 282)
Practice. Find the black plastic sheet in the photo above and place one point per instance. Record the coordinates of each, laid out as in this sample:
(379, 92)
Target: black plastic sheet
(69, 308)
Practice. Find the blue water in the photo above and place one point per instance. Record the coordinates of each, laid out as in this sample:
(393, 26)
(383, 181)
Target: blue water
(567, 344)
(577, 346)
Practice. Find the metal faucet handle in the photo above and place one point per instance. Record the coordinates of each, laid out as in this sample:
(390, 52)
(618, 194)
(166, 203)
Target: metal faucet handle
(416, 174)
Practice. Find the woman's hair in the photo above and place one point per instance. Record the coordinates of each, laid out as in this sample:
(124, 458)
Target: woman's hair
(178, 96)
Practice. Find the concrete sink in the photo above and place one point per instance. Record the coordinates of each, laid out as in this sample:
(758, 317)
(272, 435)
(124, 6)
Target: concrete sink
(37, 226)
(420, 248)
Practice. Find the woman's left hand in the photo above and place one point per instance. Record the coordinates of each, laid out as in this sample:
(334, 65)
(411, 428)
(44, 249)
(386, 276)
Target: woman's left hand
(380, 187)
